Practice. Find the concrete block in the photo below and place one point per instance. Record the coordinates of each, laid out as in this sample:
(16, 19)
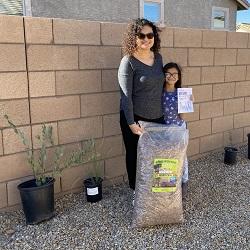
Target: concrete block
(42, 84)
(235, 73)
(225, 56)
(178, 55)
(52, 57)
(38, 30)
(220, 124)
(211, 109)
(111, 125)
(214, 39)
(11, 29)
(78, 82)
(12, 57)
(223, 90)
(202, 93)
(212, 74)
(76, 32)
(236, 137)
(167, 37)
(199, 128)
(247, 103)
(14, 166)
(99, 57)
(3, 195)
(211, 142)
(242, 120)
(109, 147)
(237, 40)
(233, 106)
(109, 80)
(54, 108)
(115, 167)
(1, 144)
(112, 33)
(17, 110)
(193, 147)
(12, 142)
(99, 104)
(242, 89)
(79, 129)
(187, 38)
(243, 56)
(201, 57)
(248, 73)
(191, 76)
(13, 85)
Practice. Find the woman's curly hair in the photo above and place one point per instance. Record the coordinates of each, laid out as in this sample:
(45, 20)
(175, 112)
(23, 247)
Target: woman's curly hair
(134, 28)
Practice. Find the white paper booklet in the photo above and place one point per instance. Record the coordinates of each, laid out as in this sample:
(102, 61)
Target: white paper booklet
(185, 103)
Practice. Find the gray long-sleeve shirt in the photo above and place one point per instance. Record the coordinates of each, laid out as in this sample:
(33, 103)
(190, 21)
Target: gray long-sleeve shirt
(141, 88)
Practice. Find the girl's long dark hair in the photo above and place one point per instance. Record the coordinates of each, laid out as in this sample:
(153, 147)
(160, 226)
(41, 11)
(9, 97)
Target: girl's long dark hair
(172, 65)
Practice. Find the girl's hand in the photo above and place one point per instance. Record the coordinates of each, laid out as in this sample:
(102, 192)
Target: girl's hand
(136, 129)
(192, 98)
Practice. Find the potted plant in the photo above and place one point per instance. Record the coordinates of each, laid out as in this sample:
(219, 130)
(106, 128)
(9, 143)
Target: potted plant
(93, 184)
(230, 155)
(37, 195)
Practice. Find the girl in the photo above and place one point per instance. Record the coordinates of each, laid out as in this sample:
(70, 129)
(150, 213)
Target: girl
(170, 108)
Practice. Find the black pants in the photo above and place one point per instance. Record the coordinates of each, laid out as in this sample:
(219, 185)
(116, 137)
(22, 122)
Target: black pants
(130, 141)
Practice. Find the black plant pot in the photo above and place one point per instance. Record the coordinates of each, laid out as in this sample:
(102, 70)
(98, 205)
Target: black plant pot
(230, 156)
(248, 135)
(37, 201)
(93, 189)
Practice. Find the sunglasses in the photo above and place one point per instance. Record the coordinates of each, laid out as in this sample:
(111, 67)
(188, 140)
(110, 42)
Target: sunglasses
(142, 36)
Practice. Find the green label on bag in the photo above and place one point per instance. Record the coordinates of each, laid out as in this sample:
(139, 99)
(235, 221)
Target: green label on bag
(165, 175)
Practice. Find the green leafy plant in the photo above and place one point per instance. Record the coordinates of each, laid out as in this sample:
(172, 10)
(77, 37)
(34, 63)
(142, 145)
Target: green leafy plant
(95, 157)
(37, 158)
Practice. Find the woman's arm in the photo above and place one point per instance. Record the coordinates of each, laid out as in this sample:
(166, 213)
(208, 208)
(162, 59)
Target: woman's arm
(125, 78)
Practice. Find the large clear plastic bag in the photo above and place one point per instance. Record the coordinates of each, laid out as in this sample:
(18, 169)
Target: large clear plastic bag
(160, 156)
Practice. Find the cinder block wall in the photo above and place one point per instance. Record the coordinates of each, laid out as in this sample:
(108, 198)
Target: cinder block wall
(64, 73)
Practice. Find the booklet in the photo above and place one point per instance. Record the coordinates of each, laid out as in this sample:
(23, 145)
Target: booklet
(185, 103)
(165, 175)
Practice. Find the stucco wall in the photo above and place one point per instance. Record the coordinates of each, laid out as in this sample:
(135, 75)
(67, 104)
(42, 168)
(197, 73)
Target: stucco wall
(95, 10)
(64, 73)
(179, 13)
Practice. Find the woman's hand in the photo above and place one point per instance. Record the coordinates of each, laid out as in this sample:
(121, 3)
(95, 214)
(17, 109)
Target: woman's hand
(136, 129)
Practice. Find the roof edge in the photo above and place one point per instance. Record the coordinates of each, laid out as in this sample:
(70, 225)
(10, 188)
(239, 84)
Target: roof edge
(244, 5)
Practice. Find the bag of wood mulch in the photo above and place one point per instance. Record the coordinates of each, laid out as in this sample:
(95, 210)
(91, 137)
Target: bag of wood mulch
(160, 156)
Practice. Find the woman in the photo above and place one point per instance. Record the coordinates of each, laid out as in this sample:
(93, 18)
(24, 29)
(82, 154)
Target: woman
(141, 80)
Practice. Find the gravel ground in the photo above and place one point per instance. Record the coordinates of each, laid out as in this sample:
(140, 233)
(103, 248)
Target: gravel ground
(217, 216)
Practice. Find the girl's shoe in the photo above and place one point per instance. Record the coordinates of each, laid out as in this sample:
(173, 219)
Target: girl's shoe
(133, 199)
(184, 187)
